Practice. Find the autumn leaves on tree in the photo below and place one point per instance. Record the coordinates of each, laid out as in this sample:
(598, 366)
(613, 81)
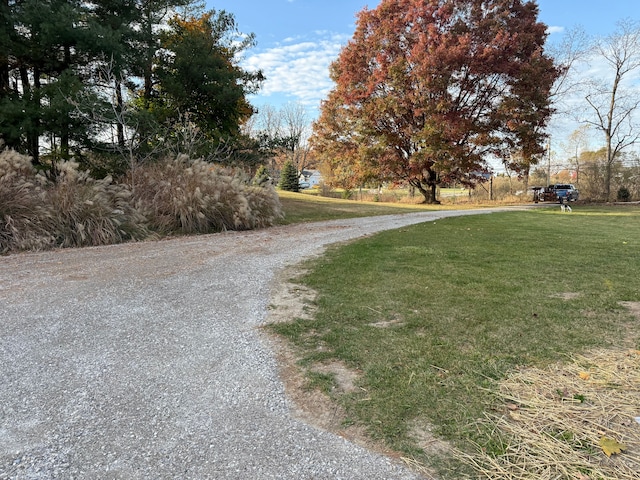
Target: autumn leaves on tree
(428, 91)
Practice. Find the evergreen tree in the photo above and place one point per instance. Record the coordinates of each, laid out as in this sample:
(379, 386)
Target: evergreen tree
(114, 21)
(72, 71)
(289, 178)
(47, 48)
(198, 74)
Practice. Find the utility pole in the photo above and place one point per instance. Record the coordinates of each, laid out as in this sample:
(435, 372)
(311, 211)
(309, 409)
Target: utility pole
(549, 161)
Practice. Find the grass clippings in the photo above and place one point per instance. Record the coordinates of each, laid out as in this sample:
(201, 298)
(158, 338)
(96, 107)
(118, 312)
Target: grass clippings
(556, 421)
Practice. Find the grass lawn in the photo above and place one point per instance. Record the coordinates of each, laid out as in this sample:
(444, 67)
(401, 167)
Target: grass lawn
(431, 317)
(302, 207)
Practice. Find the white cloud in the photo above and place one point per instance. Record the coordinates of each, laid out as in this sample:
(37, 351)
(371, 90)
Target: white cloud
(555, 29)
(298, 68)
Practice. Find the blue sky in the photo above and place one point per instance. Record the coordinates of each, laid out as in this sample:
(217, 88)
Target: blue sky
(298, 39)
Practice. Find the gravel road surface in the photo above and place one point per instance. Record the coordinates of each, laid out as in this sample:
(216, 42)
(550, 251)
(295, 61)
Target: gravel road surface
(143, 360)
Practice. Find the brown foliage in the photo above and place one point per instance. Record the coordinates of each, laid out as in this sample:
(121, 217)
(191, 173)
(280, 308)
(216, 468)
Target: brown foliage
(427, 90)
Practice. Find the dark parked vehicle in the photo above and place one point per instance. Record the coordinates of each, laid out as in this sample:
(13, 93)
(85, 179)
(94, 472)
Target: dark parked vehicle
(565, 192)
(560, 192)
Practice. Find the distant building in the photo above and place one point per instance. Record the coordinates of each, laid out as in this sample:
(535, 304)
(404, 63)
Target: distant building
(312, 177)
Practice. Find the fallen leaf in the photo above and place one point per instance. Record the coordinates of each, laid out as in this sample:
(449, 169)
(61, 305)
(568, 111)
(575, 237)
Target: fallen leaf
(585, 375)
(515, 415)
(512, 406)
(610, 446)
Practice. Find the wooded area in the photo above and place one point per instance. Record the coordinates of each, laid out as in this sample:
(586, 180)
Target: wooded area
(106, 82)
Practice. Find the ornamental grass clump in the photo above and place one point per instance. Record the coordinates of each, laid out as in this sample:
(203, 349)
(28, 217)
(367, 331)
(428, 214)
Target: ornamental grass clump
(74, 210)
(173, 196)
(90, 212)
(25, 220)
(192, 196)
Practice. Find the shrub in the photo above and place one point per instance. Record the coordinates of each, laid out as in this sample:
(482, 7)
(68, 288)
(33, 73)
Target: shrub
(289, 178)
(261, 177)
(264, 205)
(193, 196)
(624, 195)
(75, 211)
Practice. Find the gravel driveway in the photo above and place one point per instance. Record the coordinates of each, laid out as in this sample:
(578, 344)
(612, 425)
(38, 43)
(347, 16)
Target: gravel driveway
(143, 360)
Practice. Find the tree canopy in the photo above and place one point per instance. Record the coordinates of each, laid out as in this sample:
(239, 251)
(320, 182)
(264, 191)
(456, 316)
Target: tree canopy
(198, 73)
(70, 71)
(427, 91)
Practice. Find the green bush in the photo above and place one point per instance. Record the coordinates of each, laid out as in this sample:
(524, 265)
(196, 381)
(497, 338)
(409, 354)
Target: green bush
(261, 178)
(624, 195)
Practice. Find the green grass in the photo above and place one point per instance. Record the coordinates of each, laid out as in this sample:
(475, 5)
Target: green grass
(472, 298)
(303, 207)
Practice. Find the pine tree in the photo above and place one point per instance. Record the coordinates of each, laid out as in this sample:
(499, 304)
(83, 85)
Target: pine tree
(289, 178)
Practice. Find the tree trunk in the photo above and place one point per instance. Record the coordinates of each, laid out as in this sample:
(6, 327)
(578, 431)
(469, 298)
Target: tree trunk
(607, 168)
(427, 186)
(4, 77)
(149, 53)
(31, 133)
(5, 85)
(65, 133)
(120, 115)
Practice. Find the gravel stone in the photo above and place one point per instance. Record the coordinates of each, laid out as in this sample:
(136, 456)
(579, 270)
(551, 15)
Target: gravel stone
(144, 360)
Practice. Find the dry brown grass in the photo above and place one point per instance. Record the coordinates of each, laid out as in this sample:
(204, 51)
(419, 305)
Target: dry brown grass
(554, 420)
(193, 196)
(75, 209)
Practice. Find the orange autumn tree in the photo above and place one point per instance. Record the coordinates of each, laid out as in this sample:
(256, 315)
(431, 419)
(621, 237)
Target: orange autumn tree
(427, 91)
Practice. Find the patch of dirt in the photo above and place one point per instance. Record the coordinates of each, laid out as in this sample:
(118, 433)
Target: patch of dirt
(343, 376)
(396, 322)
(315, 407)
(420, 431)
(633, 307)
(566, 295)
(290, 300)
